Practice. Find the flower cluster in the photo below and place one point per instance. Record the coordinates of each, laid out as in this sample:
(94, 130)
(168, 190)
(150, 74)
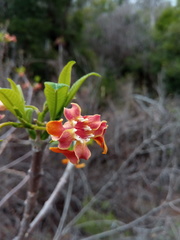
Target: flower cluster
(74, 135)
(10, 38)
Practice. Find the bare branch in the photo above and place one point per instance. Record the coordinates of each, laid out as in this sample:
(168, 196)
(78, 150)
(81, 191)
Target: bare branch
(13, 191)
(133, 223)
(65, 210)
(51, 200)
(18, 160)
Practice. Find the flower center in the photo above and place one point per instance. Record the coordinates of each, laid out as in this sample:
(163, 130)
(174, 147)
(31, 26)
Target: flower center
(83, 132)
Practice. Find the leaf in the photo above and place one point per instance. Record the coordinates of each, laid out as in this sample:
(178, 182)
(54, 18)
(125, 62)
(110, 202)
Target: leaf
(65, 75)
(28, 114)
(11, 99)
(17, 89)
(75, 87)
(55, 95)
(13, 85)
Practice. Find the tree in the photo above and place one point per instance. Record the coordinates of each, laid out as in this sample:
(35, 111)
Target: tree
(167, 34)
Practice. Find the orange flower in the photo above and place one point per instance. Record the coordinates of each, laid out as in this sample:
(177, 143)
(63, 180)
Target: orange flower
(76, 132)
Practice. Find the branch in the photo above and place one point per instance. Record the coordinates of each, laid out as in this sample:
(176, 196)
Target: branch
(34, 182)
(133, 223)
(49, 203)
(115, 175)
(65, 210)
(18, 160)
(13, 191)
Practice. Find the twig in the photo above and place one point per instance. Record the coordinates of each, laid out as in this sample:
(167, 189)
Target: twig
(65, 210)
(13, 191)
(133, 223)
(115, 175)
(18, 160)
(49, 203)
(176, 209)
(5, 142)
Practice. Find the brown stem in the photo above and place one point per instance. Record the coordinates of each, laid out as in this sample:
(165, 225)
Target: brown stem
(53, 197)
(35, 173)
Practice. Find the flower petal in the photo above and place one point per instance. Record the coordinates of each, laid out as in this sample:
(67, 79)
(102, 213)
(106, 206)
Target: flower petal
(66, 139)
(101, 142)
(2, 116)
(55, 128)
(82, 151)
(101, 130)
(93, 121)
(69, 154)
(2, 107)
(72, 113)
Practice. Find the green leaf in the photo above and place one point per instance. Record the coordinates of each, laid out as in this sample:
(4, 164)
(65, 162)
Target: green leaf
(75, 87)
(32, 133)
(17, 89)
(13, 85)
(28, 114)
(65, 75)
(11, 99)
(55, 95)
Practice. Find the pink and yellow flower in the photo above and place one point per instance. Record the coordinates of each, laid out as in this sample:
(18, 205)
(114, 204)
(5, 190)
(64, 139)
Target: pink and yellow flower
(10, 38)
(2, 107)
(74, 135)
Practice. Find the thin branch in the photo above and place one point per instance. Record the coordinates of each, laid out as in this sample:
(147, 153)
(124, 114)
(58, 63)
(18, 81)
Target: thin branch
(5, 142)
(18, 160)
(13, 191)
(66, 208)
(133, 223)
(51, 200)
(116, 174)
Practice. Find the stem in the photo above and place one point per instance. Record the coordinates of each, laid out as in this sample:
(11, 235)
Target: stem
(23, 125)
(49, 203)
(35, 173)
(17, 125)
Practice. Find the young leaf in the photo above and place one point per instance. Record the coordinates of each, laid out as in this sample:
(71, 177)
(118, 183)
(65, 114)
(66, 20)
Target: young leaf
(11, 99)
(28, 114)
(65, 75)
(75, 87)
(13, 85)
(17, 89)
(55, 95)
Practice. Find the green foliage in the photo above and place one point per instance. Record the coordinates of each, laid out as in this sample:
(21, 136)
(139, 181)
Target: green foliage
(55, 95)
(13, 99)
(59, 95)
(65, 75)
(166, 35)
(96, 221)
(75, 87)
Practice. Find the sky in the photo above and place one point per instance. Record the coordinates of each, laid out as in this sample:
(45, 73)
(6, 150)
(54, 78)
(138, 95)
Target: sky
(173, 2)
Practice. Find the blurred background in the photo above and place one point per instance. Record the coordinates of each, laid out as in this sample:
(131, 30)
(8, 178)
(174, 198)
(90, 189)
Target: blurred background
(135, 47)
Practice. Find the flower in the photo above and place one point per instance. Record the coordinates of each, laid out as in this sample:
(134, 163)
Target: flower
(2, 116)
(74, 135)
(10, 38)
(2, 107)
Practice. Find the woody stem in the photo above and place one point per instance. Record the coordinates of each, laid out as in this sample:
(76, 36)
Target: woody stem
(35, 173)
